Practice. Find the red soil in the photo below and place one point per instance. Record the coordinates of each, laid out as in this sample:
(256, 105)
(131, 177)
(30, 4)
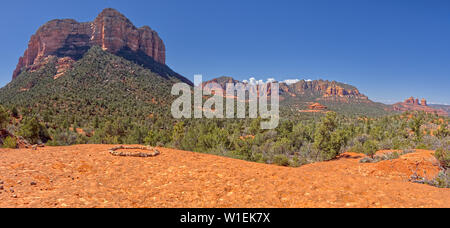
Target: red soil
(88, 176)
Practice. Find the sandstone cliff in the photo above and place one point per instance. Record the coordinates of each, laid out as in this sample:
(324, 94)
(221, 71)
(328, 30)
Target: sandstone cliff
(413, 104)
(317, 89)
(110, 30)
(325, 89)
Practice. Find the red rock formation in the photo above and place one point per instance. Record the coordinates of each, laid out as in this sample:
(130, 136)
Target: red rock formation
(412, 104)
(320, 89)
(62, 65)
(410, 100)
(326, 89)
(317, 106)
(424, 102)
(110, 30)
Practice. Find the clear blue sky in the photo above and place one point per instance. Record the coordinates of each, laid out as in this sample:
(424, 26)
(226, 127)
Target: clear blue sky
(389, 49)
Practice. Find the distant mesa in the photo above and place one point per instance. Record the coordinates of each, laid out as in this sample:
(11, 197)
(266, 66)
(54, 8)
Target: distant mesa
(68, 38)
(310, 96)
(317, 89)
(415, 101)
(314, 96)
(317, 106)
(413, 104)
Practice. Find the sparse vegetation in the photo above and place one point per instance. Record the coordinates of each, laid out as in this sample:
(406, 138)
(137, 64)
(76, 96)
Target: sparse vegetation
(379, 158)
(34, 131)
(3, 117)
(370, 148)
(443, 156)
(10, 142)
(106, 99)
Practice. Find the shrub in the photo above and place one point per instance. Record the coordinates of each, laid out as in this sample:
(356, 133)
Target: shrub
(282, 146)
(391, 156)
(63, 138)
(370, 148)
(422, 147)
(3, 117)
(52, 143)
(442, 180)
(367, 160)
(15, 112)
(443, 131)
(408, 151)
(386, 144)
(298, 161)
(259, 157)
(33, 131)
(431, 143)
(384, 157)
(399, 143)
(443, 156)
(10, 142)
(152, 138)
(281, 160)
(178, 134)
(415, 124)
(327, 140)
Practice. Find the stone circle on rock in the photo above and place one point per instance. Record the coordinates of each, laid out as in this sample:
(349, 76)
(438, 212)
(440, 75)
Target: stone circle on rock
(153, 151)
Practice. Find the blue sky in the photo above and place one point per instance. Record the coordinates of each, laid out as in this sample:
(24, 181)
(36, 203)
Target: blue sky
(389, 49)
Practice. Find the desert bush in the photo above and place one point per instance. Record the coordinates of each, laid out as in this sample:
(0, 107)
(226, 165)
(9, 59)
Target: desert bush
(327, 139)
(282, 146)
(408, 151)
(3, 117)
(400, 142)
(14, 112)
(298, 161)
(443, 156)
(281, 160)
(259, 157)
(431, 143)
(33, 131)
(63, 138)
(362, 138)
(356, 144)
(378, 158)
(308, 153)
(422, 146)
(10, 142)
(443, 131)
(442, 180)
(178, 134)
(392, 156)
(416, 126)
(386, 144)
(370, 148)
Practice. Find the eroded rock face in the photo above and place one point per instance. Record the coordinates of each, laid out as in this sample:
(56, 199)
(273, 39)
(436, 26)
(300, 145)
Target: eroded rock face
(317, 106)
(423, 102)
(325, 89)
(415, 101)
(321, 89)
(413, 104)
(110, 30)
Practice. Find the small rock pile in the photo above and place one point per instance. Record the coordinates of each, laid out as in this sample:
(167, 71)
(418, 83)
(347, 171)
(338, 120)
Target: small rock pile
(153, 151)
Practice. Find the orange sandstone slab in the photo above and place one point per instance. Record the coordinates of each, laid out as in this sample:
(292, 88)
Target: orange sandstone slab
(88, 176)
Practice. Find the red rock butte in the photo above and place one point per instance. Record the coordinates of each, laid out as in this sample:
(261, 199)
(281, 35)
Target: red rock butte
(317, 106)
(110, 30)
(413, 101)
(413, 104)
